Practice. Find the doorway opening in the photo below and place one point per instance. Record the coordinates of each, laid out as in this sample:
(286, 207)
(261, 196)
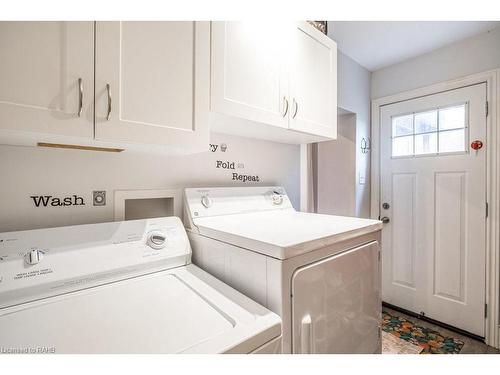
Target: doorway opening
(435, 184)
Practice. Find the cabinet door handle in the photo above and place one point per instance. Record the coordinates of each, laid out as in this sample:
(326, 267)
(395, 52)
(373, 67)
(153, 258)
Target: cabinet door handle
(108, 89)
(285, 102)
(80, 97)
(296, 105)
(306, 335)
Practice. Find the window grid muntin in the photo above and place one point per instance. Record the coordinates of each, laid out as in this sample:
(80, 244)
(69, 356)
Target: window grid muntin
(465, 128)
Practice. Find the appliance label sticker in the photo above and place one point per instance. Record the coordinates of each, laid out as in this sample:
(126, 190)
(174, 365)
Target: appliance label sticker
(34, 273)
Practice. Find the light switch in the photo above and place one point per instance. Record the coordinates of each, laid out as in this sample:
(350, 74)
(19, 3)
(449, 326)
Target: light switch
(362, 178)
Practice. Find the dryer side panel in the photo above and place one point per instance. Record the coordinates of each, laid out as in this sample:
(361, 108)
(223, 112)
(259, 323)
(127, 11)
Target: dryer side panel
(241, 269)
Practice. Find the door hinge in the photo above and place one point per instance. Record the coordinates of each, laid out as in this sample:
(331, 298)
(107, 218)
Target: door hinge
(485, 310)
(486, 107)
(487, 209)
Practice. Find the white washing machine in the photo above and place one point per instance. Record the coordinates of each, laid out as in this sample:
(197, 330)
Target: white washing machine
(320, 273)
(122, 287)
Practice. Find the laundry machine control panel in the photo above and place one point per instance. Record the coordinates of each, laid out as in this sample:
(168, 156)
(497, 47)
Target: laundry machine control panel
(205, 202)
(57, 260)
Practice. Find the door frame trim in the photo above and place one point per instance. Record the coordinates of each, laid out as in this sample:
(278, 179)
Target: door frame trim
(492, 80)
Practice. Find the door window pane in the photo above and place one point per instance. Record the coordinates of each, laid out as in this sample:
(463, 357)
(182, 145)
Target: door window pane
(402, 146)
(452, 141)
(402, 125)
(452, 117)
(437, 131)
(425, 122)
(426, 144)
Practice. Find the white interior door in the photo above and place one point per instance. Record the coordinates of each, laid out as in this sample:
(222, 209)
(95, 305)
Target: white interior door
(313, 82)
(433, 191)
(152, 83)
(47, 77)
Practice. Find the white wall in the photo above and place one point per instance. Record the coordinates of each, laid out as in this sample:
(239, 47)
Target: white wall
(26, 171)
(472, 55)
(354, 96)
(336, 181)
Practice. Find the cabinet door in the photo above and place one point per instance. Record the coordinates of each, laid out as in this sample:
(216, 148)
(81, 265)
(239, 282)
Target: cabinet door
(313, 82)
(41, 64)
(152, 83)
(336, 305)
(249, 79)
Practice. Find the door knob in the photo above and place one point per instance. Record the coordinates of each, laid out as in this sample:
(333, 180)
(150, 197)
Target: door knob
(385, 219)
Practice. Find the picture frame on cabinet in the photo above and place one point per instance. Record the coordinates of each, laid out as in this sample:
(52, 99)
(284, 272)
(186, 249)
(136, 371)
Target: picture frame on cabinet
(320, 25)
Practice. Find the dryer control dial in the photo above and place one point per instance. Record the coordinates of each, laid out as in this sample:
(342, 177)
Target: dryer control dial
(157, 240)
(277, 198)
(206, 201)
(33, 257)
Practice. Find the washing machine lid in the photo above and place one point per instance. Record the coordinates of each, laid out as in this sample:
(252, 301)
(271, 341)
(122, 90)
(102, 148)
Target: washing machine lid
(184, 310)
(283, 234)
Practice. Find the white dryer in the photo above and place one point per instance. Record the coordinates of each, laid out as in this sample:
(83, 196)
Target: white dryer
(122, 287)
(320, 273)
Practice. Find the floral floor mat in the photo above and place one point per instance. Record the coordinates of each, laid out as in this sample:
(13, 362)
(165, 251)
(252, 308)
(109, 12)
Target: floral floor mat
(431, 342)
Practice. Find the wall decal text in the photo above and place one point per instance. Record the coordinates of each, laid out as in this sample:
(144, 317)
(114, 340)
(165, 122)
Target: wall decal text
(49, 200)
(213, 147)
(245, 178)
(225, 164)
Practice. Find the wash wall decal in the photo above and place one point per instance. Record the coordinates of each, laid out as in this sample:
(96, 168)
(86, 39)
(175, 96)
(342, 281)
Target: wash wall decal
(49, 200)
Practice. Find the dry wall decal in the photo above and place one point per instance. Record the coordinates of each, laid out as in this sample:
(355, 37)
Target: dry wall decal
(214, 147)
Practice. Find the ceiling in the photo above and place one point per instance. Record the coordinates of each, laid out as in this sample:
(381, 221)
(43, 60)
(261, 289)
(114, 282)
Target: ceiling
(377, 44)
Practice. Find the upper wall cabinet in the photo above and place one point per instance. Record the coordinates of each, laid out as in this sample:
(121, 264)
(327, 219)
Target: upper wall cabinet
(164, 85)
(47, 78)
(152, 83)
(274, 81)
(313, 82)
(249, 80)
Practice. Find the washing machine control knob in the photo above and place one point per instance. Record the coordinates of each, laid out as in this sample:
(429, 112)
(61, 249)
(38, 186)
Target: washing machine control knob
(33, 257)
(157, 240)
(206, 201)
